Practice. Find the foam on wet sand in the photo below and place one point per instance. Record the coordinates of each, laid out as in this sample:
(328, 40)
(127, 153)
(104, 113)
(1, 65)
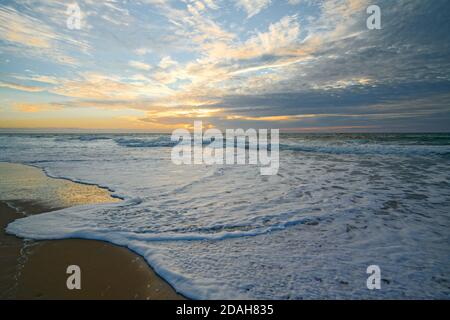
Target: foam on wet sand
(37, 269)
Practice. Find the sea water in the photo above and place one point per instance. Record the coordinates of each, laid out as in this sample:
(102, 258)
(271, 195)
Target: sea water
(338, 204)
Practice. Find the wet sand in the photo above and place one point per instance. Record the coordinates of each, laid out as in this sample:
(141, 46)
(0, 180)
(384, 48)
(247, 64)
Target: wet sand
(37, 269)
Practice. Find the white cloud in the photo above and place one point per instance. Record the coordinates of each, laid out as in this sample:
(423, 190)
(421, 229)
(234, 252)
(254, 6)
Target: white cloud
(139, 65)
(29, 36)
(211, 4)
(143, 51)
(294, 2)
(167, 62)
(252, 7)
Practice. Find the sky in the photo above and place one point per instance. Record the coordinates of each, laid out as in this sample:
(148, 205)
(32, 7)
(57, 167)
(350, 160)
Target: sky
(159, 65)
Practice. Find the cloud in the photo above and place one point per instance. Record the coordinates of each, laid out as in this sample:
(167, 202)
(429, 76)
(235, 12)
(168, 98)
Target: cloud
(279, 38)
(37, 107)
(38, 78)
(30, 36)
(193, 26)
(167, 62)
(252, 7)
(139, 65)
(319, 67)
(21, 87)
(24, 30)
(143, 51)
(211, 4)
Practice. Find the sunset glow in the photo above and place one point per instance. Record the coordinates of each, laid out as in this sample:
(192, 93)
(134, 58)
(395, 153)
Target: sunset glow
(155, 65)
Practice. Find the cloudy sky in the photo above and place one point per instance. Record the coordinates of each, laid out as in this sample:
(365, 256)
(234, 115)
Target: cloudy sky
(157, 65)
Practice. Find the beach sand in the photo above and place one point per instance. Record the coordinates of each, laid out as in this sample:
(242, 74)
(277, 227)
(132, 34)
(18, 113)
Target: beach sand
(37, 269)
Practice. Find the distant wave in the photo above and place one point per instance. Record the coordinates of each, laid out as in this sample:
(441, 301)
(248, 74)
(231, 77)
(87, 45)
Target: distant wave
(363, 144)
(147, 142)
(367, 149)
(150, 142)
(83, 137)
(313, 146)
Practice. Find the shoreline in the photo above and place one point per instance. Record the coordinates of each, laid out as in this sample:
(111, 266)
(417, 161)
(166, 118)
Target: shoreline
(32, 269)
(114, 197)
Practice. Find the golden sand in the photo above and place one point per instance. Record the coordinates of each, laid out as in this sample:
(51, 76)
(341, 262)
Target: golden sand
(37, 269)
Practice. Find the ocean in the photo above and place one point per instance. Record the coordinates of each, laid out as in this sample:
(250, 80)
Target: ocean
(338, 204)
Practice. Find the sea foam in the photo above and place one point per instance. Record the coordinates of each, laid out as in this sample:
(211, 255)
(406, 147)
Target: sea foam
(227, 232)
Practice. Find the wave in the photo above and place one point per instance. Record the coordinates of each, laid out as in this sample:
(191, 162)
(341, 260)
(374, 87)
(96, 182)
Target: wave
(367, 149)
(151, 142)
(147, 142)
(399, 147)
(83, 137)
(313, 211)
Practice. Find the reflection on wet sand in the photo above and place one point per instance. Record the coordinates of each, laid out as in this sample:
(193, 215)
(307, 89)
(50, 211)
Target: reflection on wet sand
(37, 269)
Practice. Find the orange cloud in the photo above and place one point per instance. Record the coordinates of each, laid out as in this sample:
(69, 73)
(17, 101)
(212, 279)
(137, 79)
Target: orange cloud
(36, 107)
(21, 87)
